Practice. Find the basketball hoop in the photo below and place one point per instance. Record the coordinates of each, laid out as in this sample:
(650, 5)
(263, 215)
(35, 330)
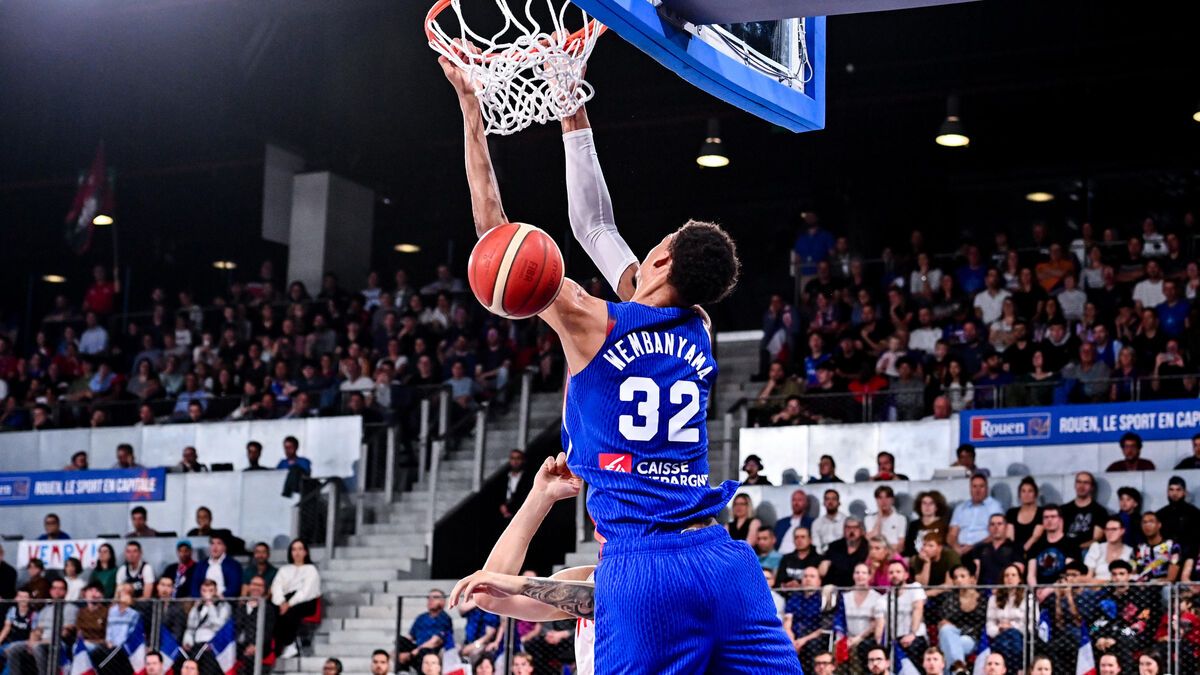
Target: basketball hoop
(524, 73)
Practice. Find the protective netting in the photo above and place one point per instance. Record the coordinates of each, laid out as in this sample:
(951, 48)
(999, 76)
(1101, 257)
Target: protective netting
(529, 70)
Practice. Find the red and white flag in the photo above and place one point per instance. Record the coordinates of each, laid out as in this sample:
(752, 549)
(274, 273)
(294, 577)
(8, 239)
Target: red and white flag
(89, 199)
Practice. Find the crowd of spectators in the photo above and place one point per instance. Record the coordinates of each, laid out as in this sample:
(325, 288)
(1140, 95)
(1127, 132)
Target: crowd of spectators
(950, 577)
(258, 353)
(191, 600)
(1087, 317)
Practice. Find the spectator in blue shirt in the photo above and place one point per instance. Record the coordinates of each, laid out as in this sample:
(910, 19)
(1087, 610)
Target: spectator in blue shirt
(191, 392)
(291, 446)
(431, 631)
(968, 525)
(1173, 312)
(971, 276)
(481, 629)
(53, 530)
(812, 246)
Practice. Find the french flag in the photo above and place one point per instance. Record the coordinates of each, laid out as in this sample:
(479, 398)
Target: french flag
(1043, 627)
(168, 647)
(901, 665)
(452, 663)
(224, 647)
(1085, 663)
(81, 663)
(135, 646)
(841, 638)
(982, 651)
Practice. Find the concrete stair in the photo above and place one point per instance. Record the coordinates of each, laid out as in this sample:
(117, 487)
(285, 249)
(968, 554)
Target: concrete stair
(380, 573)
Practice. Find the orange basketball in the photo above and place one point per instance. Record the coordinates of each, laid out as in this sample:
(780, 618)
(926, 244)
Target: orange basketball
(516, 270)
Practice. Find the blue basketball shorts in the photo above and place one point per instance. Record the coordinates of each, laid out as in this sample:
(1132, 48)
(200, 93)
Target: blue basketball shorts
(691, 602)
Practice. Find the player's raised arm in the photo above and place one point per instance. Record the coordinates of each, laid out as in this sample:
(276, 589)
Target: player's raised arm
(589, 207)
(486, 206)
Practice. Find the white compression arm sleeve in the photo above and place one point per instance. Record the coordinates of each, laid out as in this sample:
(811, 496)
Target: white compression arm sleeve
(590, 208)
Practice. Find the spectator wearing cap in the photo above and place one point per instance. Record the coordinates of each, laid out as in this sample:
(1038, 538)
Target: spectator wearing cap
(53, 529)
(181, 571)
(753, 467)
(1131, 616)
(1180, 519)
(969, 522)
(1129, 511)
(1192, 462)
(1131, 447)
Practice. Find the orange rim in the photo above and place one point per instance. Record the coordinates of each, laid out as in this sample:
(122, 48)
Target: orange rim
(576, 38)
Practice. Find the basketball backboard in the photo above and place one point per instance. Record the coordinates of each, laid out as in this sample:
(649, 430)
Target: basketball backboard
(766, 57)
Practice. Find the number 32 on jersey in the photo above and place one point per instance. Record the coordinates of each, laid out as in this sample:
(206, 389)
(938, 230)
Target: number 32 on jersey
(649, 397)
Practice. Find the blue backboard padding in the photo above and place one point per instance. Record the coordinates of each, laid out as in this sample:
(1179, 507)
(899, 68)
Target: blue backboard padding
(730, 80)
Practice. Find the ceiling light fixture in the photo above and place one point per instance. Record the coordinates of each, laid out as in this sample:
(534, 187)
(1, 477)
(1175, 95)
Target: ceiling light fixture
(54, 278)
(712, 154)
(1039, 197)
(102, 219)
(225, 264)
(952, 133)
(407, 248)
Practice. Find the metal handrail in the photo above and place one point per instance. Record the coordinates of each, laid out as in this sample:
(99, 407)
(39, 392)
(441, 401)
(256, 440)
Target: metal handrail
(438, 447)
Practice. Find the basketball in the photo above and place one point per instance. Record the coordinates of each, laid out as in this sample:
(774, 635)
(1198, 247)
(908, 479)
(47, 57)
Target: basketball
(516, 270)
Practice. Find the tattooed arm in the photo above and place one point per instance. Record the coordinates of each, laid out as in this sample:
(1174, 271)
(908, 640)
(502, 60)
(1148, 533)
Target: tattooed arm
(562, 596)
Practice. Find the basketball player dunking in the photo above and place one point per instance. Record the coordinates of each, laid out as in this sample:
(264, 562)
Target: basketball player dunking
(673, 593)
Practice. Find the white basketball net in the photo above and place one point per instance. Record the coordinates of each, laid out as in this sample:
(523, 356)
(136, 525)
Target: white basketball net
(525, 73)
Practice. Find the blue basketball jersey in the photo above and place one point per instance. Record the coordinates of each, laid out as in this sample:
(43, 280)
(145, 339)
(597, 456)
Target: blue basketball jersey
(634, 423)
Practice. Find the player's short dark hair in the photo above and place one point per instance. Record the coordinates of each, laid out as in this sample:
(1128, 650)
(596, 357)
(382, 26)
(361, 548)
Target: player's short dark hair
(709, 266)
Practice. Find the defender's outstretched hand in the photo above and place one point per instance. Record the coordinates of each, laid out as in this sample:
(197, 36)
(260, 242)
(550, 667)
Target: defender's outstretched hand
(555, 480)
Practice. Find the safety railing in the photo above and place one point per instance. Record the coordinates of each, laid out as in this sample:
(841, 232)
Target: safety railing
(146, 625)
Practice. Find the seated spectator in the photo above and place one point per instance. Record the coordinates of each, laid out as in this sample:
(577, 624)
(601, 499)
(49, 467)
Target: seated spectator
(37, 584)
(910, 610)
(292, 459)
(53, 529)
(992, 381)
(72, 576)
(957, 385)
(866, 613)
(941, 409)
(136, 573)
(1082, 517)
(878, 661)
(933, 562)
(1007, 617)
(137, 518)
(125, 458)
(1128, 627)
(829, 526)
(121, 619)
(191, 392)
(965, 458)
(1113, 548)
(1157, 558)
(764, 546)
(246, 621)
(429, 631)
(1179, 518)
(885, 463)
(1129, 501)
(826, 471)
(968, 525)
(842, 555)
(1023, 523)
(805, 618)
(925, 338)
(464, 391)
(259, 566)
(743, 525)
(963, 615)
(753, 467)
(1192, 462)
(1048, 558)
(879, 559)
(908, 391)
(295, 592)
(886, 522)
(180, 572)
(253, 455)
(219, 568)
(790, 569)
(1090, 376)
(40, 642)
(206, 617)
(20, 626)
(778, 388)
(174, 614)
(518, 484)
(933, 517)
(934, 662)
(784, 527)
(91, 622)
(482, 627)
(189, 462)
(105, 571)
(79, 462)
(1131, 447)
(792, 413)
